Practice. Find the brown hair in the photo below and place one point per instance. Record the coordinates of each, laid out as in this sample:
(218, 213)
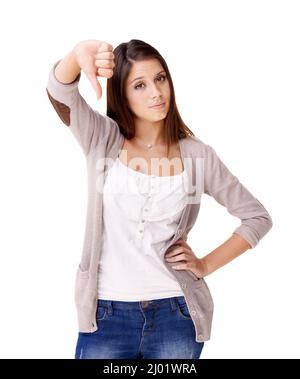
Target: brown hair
(125, 55)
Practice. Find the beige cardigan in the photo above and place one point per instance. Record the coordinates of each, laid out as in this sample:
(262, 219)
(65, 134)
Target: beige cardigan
(101, 140)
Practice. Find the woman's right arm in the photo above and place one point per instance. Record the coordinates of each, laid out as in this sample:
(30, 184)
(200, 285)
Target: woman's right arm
(68, 69)
(87, 125)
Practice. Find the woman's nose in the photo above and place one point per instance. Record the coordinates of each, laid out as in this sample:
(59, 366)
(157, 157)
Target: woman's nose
(155, 91)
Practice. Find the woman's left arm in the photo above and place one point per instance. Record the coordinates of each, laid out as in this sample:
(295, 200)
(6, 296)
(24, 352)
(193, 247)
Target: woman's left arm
(223, 254)
(227, 190)
(182, 254)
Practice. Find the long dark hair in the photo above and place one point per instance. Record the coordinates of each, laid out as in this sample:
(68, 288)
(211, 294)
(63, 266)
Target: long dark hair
(125, 55)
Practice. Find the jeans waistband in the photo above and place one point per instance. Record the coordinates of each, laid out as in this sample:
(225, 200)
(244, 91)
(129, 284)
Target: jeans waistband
(118, 304)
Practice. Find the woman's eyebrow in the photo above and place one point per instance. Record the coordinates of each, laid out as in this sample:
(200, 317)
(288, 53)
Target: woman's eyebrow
(141, 77)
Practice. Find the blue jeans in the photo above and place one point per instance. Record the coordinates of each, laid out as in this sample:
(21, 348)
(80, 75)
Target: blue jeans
(149, 329)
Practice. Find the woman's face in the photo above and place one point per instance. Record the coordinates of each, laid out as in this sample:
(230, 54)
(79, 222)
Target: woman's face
(147, 85)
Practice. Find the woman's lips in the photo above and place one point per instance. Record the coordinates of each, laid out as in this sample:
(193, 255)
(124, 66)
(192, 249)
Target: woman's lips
(158, 106)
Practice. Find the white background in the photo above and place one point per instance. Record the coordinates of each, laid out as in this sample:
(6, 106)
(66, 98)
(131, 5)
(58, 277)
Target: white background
(235, 67)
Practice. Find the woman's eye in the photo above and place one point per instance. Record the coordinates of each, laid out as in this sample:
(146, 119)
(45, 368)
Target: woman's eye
(159, 77)
(162, 76)
(138, 86)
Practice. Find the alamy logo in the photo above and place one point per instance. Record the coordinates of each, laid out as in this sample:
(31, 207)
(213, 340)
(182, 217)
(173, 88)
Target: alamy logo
(190, 180)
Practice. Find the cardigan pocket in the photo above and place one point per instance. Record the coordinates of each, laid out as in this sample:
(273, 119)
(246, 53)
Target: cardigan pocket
(202, 285)
(81, 283)
(82, 273)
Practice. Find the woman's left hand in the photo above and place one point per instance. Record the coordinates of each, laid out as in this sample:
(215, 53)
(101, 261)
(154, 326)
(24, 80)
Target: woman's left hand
(182, 254)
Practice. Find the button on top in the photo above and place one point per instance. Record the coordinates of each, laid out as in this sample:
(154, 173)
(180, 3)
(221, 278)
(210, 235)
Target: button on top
(145, 303)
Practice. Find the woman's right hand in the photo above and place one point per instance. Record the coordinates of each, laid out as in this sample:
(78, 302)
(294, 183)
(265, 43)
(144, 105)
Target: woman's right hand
(95, 58)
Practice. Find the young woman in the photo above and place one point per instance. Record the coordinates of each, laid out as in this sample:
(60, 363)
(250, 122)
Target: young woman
(140, 291)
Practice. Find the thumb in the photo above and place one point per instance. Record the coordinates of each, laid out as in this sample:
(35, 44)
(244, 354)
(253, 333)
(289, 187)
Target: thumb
(95, 84)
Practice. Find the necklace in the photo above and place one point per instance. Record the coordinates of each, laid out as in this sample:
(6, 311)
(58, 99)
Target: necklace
(149, 145)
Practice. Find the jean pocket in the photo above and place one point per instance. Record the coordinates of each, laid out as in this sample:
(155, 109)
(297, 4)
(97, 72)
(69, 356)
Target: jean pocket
(182, 308)
(101, 312)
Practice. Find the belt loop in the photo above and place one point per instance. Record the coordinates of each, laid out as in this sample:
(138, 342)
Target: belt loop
(173, 301)
(110, 307)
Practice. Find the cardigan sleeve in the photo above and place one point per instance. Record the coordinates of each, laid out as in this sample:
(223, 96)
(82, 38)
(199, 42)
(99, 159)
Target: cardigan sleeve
(88, 126)
(227, 190)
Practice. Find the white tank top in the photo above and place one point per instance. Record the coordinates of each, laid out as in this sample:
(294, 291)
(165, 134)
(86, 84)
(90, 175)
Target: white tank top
(140, 214)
